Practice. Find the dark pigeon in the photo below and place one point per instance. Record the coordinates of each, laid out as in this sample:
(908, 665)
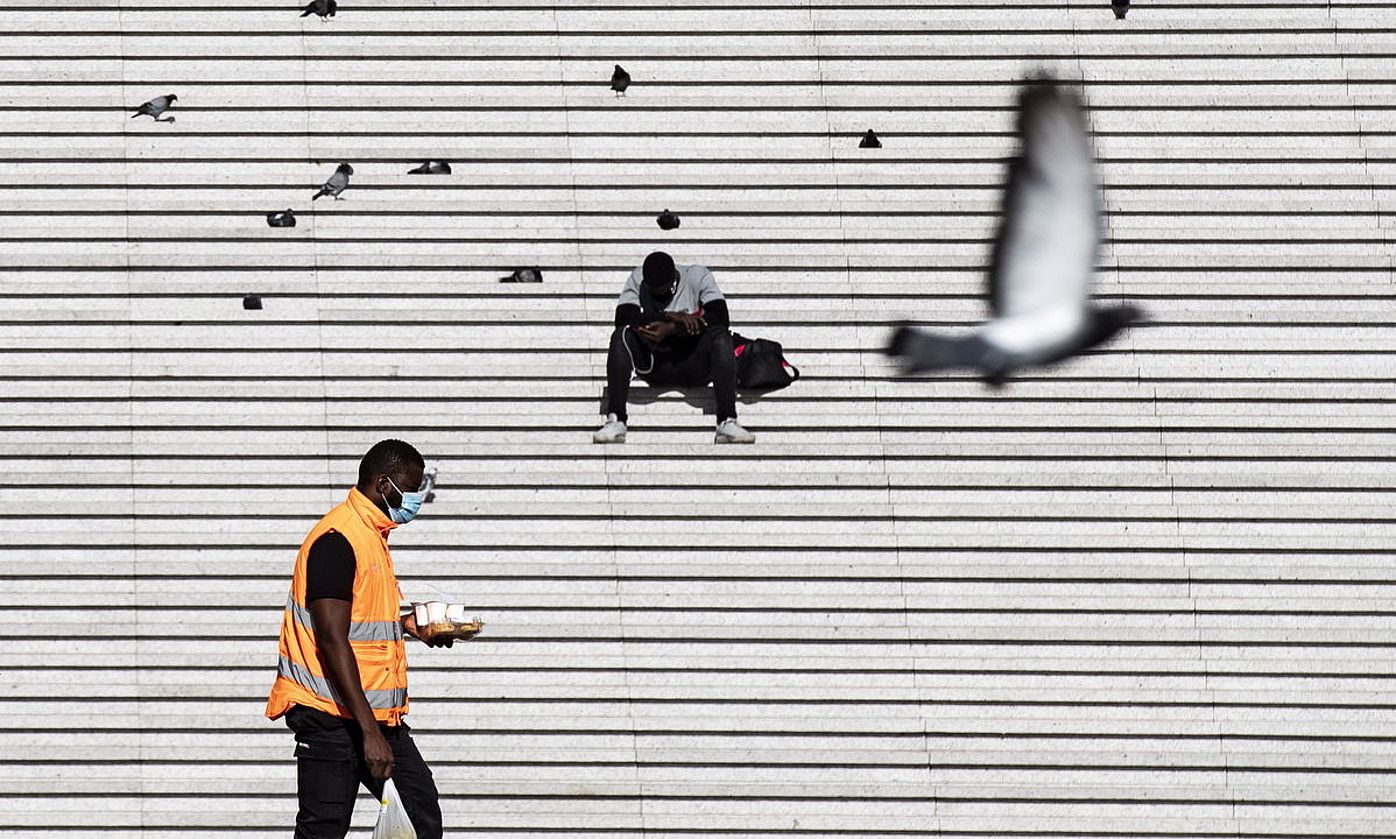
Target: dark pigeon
(524, 275)
(1040, 276)
(337, 182)
(324, 8)
(668, 220)
(252, 302)
(1120, 8)
(157, 106)
(432, 167)
(870, 141)
(620, 80)
(286, 219)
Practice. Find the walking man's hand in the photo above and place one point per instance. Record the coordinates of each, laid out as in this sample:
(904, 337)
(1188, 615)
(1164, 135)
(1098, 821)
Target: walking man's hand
(378, 754)
(409, 627)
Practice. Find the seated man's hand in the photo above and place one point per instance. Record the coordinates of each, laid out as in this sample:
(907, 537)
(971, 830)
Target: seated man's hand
(691, 324)
(658, 330)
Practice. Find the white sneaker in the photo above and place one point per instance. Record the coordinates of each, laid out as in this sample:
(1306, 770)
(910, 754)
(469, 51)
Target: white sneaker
(612, 432)
(728, 431)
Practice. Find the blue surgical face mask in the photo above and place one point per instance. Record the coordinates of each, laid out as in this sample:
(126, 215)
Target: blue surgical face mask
(411, 503)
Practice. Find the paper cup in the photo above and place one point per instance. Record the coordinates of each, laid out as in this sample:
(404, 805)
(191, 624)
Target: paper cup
(436, 611)
(455, 613)
(419, 611)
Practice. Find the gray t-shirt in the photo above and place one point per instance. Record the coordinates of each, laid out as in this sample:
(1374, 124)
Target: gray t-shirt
(696, 286)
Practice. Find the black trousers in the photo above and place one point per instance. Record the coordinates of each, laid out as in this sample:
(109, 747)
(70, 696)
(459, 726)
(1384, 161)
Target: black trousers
(330, 767)
(709, 359)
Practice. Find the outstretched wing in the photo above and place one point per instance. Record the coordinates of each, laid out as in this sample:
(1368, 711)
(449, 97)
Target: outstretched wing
(1046, 247)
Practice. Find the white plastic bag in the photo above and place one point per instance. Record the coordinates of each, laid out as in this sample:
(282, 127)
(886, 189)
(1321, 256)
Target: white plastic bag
(393, 822)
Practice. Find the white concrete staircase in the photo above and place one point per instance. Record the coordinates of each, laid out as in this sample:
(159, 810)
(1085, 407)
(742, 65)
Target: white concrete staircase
(1147, 594)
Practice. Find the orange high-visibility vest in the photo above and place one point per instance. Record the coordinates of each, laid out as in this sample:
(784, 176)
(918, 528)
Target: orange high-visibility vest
(375, 635)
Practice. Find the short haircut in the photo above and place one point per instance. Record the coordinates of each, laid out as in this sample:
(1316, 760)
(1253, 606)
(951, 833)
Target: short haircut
(659, 269)
(388, 457)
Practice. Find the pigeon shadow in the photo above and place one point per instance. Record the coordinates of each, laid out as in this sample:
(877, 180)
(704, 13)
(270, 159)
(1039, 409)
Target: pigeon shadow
(697, 396)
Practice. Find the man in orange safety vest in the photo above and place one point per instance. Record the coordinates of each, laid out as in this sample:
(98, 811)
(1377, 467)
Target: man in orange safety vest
(341, 677)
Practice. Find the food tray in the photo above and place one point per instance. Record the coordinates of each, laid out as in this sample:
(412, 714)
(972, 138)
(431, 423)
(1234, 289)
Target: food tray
(454, 629)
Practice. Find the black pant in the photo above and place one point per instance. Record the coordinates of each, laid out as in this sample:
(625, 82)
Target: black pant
(330, 767)
(709, 359)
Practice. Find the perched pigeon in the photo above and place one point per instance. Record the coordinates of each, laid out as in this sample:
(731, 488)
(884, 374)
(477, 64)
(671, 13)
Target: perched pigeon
(524, 275)
(252, 302)
(286, 219)
(432, 167)
(1120, 8)
(428, 484)
(870, 141)
(668, 220)
(620, 80)
(324, 8)
(157, 106)
(337, 182)
(1039, 280)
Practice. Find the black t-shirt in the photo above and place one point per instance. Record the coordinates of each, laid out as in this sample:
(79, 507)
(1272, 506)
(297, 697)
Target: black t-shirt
(329, 569)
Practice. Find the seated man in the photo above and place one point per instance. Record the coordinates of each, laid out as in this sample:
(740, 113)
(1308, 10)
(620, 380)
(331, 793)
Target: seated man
(671, 329)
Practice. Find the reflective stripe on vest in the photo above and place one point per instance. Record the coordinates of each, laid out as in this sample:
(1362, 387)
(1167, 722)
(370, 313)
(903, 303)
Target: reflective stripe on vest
(358, 630)
(320, 686)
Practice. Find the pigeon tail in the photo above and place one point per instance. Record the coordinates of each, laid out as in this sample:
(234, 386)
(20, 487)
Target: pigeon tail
(923, 352)
(320, 193)
(1104, 324)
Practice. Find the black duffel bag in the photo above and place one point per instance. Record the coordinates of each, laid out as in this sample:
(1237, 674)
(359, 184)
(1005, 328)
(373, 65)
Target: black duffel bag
(761, 364)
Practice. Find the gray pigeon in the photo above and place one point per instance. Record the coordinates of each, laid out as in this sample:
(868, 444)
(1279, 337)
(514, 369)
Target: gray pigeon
(157, 106)
(1039, 279)
(620, 80)
(324, 8)
(1120, 8)
(286, 219)
(432, 167)
(428, 484)
(524, 275)
(337, 182)
(870, 141)
(667, 220)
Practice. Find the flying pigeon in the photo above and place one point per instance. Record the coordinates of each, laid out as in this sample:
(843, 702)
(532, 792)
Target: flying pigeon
(252, 302)
(324, 8)
(668, 220)
(870, 141)
(157, 106)
(286, 219)
(1120, 8)
(620, 80)
(1039, 279)
(432, 167)
(337, 182)
(524, 275)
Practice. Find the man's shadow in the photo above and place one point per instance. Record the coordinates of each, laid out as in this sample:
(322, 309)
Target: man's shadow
(698, 396)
